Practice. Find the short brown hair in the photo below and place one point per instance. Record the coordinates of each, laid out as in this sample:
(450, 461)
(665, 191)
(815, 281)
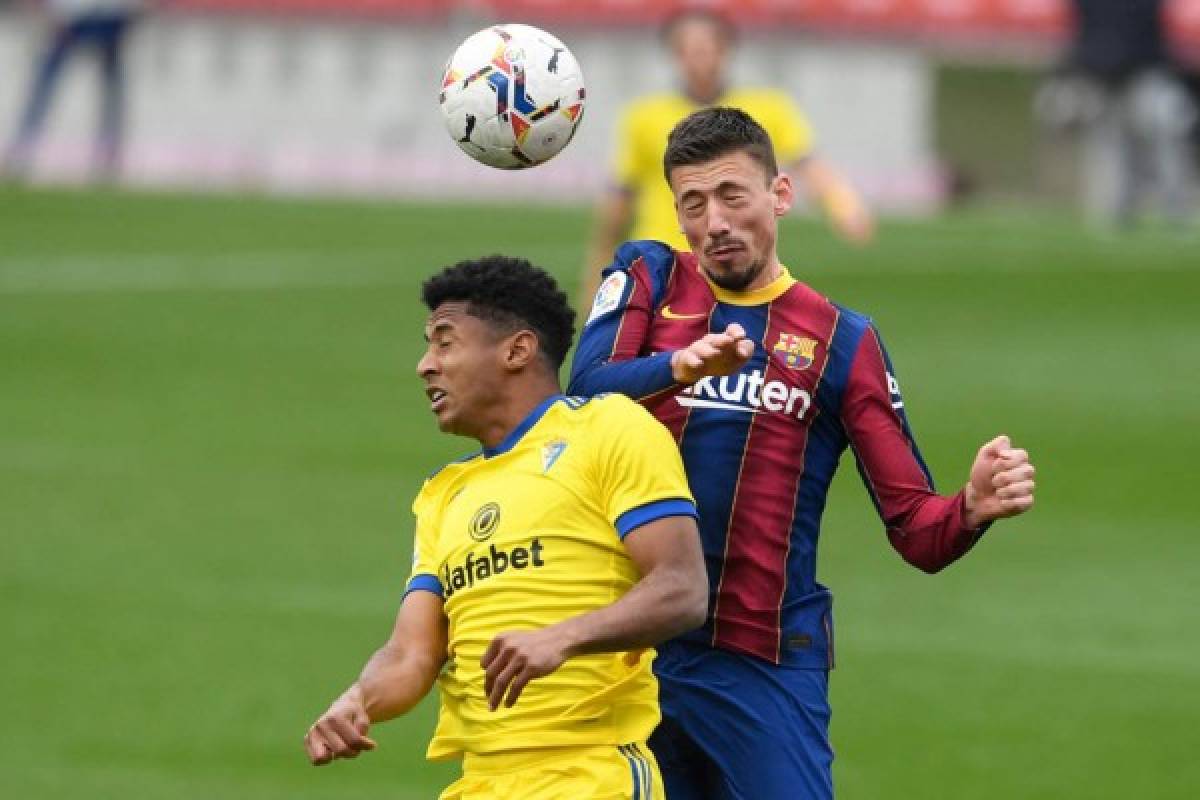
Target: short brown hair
(714, 132)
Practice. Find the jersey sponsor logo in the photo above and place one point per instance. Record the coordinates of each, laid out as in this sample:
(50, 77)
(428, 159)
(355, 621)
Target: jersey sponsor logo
(550, 453)
(894, 391)
(747, 393)
(608, 296)
(798, 352)
(477, 568)
(485, 522)
(667, 313)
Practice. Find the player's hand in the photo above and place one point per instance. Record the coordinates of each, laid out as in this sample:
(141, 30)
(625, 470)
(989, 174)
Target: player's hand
(855, 225)
(712, 354)
(341, 732)
(515, 658)
(1001, 483)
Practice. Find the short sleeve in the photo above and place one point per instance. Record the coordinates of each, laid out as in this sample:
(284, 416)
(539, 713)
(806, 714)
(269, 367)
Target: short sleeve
(641, 474)
(424, 575)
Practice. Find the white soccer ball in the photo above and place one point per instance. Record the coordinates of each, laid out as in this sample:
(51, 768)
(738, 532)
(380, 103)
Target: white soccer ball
(512, 96)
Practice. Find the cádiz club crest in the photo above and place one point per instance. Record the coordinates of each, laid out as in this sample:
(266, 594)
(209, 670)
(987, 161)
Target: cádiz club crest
(798, 352)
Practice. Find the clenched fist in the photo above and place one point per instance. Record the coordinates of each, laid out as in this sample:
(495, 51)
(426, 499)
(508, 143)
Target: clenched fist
(1001, 483)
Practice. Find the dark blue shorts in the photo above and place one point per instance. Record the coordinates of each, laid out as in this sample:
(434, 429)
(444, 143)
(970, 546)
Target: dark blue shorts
(736, 727)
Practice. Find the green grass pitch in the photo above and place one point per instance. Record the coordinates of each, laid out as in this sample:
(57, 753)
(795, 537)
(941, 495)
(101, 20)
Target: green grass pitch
(210, 432)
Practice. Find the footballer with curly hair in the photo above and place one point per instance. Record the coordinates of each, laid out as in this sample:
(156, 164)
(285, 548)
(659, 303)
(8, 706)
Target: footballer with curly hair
(546, 567)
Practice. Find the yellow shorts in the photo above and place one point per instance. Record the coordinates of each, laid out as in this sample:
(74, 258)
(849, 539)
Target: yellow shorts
(627, 772)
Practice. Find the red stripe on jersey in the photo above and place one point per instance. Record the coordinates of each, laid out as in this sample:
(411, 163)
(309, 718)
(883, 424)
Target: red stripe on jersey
(632, 329)
(683, 318)
(754, 579)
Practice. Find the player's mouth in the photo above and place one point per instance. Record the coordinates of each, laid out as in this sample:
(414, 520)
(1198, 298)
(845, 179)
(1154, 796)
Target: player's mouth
(437, 398)
(725, 250)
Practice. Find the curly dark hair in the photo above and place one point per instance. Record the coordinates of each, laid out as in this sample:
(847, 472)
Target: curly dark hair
(714, 132)
(511, 294)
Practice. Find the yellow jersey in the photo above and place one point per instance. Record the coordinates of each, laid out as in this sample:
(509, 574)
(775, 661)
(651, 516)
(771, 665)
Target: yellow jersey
(642, 142)
(527, 534)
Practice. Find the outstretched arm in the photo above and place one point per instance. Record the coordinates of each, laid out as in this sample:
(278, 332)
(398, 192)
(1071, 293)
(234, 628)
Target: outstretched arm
(843, 206)
(609, 357)
(394, 680)
(671, 598)
(929, 530)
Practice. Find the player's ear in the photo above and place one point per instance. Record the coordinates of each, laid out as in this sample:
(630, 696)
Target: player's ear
(520, 350)
(784, 193)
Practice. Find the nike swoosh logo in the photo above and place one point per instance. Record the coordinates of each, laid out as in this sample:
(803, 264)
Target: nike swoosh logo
(669, 314)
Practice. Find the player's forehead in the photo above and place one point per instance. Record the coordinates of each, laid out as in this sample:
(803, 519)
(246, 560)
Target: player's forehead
(737, 168)
(695, 30)
(451, 316)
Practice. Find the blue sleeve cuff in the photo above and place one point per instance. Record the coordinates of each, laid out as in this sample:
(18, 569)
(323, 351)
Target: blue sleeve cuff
(636, 517)
(662, 376)
(425, 583)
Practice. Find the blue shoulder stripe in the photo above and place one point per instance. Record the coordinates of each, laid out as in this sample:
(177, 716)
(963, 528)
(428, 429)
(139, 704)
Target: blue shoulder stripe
(658, 258)
(851, 326)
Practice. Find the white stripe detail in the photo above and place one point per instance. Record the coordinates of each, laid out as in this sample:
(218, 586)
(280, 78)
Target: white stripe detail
(695, 402)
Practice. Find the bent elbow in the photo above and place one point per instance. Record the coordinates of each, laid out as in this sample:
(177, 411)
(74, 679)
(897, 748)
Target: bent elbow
(928, 566)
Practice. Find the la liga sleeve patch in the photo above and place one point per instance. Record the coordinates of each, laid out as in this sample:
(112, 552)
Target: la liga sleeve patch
(608, 296)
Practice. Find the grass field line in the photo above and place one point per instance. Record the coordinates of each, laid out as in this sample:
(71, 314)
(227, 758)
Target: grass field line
(292, 269)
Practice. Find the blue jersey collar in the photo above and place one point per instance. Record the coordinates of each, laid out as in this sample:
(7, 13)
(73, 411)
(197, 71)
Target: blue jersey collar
(516, 433)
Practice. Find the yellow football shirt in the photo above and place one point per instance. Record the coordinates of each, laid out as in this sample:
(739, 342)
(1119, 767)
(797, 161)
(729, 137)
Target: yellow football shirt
(642, 141)
(529, 534)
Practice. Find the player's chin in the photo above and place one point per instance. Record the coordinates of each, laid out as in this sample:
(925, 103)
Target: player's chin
(734, 272)
(445, 420)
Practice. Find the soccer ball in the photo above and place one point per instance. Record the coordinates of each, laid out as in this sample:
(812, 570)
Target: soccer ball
(512, 96)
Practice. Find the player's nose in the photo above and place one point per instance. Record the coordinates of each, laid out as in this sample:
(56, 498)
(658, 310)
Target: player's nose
(426, 365)
(718, 223)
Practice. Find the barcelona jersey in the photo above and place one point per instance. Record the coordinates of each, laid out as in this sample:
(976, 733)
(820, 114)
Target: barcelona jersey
(528, 534)
(761, 446)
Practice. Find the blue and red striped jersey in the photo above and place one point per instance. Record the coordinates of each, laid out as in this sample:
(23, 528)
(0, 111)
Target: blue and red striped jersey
(761, 446)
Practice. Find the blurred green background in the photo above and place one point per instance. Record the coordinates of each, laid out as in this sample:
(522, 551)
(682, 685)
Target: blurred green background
(210, 432)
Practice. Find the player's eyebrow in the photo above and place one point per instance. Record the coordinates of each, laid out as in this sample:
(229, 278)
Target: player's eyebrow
(441, 326)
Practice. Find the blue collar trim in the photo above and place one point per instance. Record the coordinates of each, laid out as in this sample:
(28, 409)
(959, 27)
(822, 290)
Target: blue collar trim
(515, 435)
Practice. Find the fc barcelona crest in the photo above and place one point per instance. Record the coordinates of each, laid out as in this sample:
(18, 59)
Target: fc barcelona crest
(798, 352)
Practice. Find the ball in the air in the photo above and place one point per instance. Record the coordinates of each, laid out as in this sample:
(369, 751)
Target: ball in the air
(512, 96)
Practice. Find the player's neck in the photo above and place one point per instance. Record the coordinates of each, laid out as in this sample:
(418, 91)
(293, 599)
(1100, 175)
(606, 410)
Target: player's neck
(514, 409)
(771, 273)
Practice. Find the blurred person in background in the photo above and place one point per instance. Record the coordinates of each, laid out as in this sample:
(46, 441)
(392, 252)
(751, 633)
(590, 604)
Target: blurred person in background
(639, 204)
(1120, 84)
(99, 26)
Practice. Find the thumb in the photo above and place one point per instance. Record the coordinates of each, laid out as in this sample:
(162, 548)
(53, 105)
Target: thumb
(996, 446)
(735, 330)
(362, 724)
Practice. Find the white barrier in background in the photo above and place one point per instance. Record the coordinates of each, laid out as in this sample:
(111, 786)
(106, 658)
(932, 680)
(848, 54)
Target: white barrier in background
(350, 107)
